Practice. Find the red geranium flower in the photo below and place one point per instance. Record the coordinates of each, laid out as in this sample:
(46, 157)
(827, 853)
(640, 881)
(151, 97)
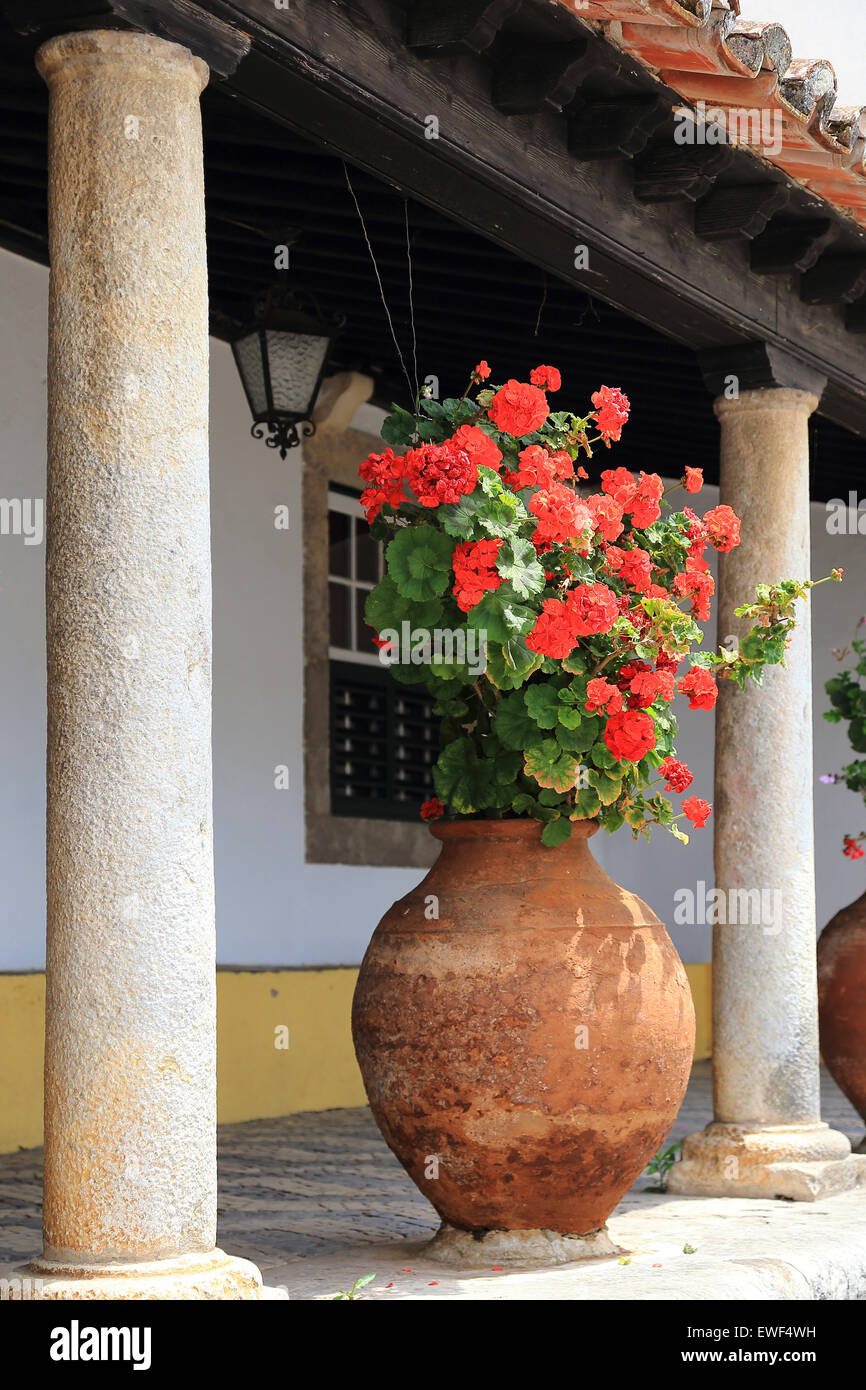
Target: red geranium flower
(699, 586)
(482, 371)
(384, 473)
(723, 528)
(676, 774)
(607, 515)
(553, 634)
(518, 408)
(648, 686)
(619, 484)
(852, 849)
(537, 469)
(693, 480)
(602, 695)
(440, 473)
(700, 687)
(474, 571)
(432, 809)
(547, 378)
(630, 734)
(697, 811)
(561, 515)
(594, 608)
(483, 451)
(644, 506)
(611, 412)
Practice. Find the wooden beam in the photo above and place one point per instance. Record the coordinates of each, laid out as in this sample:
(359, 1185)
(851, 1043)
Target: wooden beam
(611, 129)
(666, 172)
(539, 78)
(834, 280)
(445, 25)
(738, 211)
(786, 246)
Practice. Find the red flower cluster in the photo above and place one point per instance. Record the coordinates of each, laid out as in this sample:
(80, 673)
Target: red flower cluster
(676, 774)
(562, 516)
(440, 473)
(432, 809)
(700, 687)
(639, 497)
(518, 408)
(633, 567)
(852, 849)
(547, 378)
(697, 811)
(606, 514)
(602, 695)
(587, 609)
(384, 473)
(630, 734)
(483, 451)
(474, 571)
(694, 479)
(594, 608)
(699, 586)
(611, 412)
(538, 468)
(648, 686)
(723, 528)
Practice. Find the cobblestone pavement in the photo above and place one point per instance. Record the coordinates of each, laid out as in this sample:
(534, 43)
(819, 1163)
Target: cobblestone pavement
(317, 1183)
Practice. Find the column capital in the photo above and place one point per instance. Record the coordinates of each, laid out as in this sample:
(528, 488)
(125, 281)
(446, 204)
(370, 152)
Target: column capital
(103, 48)
(766, 398)
(759, 368)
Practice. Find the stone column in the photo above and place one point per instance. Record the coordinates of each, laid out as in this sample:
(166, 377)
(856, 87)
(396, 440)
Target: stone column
(767, 1138)
(130, 1077)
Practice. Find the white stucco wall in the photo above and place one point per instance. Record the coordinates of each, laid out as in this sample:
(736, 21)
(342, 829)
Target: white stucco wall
(272, 908)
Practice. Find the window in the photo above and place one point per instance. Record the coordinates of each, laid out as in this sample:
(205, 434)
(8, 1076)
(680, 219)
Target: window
(383, 736)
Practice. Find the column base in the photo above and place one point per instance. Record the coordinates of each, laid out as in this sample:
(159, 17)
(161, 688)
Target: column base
(212, 1275)
(465, 1249)
(801, 1162)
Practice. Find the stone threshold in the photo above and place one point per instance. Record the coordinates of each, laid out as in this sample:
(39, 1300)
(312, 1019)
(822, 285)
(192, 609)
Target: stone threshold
(744, 1249)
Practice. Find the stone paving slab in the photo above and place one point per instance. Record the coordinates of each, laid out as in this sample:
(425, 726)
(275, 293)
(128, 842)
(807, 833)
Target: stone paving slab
(317, 1200)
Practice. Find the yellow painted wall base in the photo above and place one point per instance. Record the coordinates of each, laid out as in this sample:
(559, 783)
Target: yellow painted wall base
(283, 1040)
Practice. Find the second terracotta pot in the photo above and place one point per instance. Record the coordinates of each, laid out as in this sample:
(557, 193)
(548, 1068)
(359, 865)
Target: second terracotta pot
(525, 1031)
(842, 1001)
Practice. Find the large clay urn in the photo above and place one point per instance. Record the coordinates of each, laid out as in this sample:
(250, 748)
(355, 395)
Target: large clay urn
(842, 1002)
(525, 1031)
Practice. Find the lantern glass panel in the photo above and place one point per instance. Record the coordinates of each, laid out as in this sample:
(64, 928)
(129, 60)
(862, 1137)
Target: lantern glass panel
(295, 361)
(248, 355)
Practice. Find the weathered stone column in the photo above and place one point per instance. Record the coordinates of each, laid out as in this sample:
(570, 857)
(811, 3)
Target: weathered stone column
(767, 1138)
(130, 1085)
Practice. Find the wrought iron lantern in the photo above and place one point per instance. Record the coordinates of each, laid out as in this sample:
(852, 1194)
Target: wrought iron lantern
(281, 359)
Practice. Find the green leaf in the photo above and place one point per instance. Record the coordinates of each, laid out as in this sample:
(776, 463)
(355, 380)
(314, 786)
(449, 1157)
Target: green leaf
(386, 607)
(571, 718)
(587, 804)
(462, 779)
(419, 561)
(518, 563)
(399, 428)
(609, 789)
(543, 704)
(511, 665)
(556, 832)
(550, 766)
(500, 617)
(512, 724)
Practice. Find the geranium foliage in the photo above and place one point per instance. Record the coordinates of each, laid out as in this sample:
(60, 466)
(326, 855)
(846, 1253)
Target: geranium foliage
(847, 693)
(589, 604)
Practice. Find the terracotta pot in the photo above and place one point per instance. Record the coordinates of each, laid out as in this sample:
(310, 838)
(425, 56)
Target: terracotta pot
(842, 1001)
(525, 1052)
